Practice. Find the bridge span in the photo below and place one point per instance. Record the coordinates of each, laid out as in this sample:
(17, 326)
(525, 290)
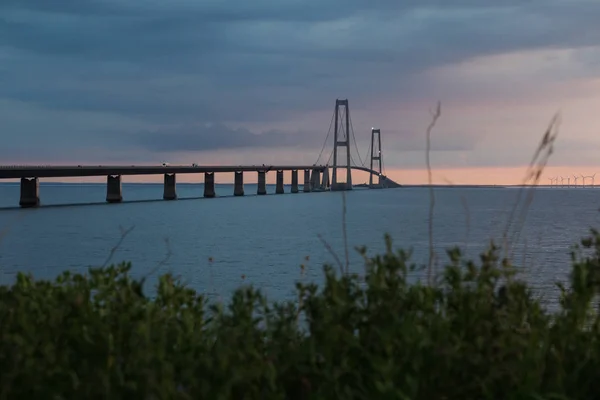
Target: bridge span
(317, 177)
(106, 170)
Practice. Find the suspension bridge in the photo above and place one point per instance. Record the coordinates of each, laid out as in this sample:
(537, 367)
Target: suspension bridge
(316, 176)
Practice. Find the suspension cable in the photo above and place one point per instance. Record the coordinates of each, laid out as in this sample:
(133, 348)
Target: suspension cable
(330, 156)
(327, 137)
(381, 159)
(355, 144)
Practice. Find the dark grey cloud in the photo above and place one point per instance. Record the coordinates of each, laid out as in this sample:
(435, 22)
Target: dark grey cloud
(185, 64)
(217, 137)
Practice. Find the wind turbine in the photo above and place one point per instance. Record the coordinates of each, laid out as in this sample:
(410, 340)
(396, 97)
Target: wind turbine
(583, 181)
(562, 182)
(551, 180)
(592, 177)
(575, 177)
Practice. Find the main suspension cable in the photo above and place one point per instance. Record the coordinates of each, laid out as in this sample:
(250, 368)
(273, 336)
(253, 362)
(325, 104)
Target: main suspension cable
(327, 137)
(362, 163)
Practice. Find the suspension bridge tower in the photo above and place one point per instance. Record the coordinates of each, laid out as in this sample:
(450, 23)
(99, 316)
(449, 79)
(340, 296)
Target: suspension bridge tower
(341, 138)
(376, 156)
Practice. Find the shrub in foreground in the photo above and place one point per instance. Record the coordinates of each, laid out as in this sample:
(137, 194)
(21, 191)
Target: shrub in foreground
(477, 333)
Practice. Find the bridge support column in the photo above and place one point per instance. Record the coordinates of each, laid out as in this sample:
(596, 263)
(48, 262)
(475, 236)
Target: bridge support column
(30, 192)
(238, 183)
(114, 192)
(279, 183)
(315, 179)
(209, 184)
(294, 181)
(306, 181)
(376, 156)
(325, 181)
(341, 138)
(170, 189)
(262, 183)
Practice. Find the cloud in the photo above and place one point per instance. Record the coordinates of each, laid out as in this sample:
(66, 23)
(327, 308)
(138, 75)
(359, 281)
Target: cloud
(208, 75)
(209, 137)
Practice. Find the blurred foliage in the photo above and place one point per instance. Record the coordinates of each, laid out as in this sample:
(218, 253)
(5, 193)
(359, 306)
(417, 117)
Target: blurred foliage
(478, 332)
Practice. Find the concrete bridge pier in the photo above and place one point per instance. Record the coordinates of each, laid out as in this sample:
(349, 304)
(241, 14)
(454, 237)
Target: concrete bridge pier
(279, 183)
(209, 184)
(114, 193)
(238, 184)
(306, 188)
(30, 192)
(170, 190)
(262, 183)
(325, 181)
(294, 181)
(315, 179)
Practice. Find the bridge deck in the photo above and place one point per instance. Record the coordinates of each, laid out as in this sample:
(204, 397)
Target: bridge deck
(77, 171)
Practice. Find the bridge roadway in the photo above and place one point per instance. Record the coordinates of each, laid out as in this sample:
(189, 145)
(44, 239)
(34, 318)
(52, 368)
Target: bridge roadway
(316, 178)
(10, 172)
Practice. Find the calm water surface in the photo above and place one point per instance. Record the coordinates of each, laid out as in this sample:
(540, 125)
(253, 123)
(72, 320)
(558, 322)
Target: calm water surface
(264, 239)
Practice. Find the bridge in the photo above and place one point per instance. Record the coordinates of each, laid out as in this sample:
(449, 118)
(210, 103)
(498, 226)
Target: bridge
(316, 176)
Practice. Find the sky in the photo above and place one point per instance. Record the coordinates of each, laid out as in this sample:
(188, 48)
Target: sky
(252, 82)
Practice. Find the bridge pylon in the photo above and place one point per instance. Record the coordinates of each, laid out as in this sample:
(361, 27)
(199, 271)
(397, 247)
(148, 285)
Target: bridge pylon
(341, 138)
(376, 156)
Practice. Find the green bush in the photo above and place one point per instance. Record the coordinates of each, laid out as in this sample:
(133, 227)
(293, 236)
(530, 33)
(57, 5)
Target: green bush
(478, 332)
